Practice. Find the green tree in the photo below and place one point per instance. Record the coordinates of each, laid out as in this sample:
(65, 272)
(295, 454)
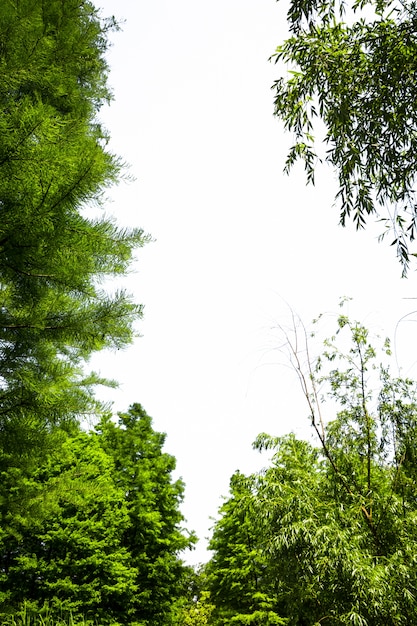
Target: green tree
(193, 604)
(69, 558)
(351, 538)
(197, 613)
(154, 537)
(352, 68)
(236, 574)
(335, 524)
(106, 541)
(54, 163)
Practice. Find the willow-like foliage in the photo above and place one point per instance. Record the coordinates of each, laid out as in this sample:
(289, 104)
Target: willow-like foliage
(327, 533)
(349, 68)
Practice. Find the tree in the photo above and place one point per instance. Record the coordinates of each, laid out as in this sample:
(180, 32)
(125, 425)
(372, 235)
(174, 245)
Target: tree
(335, 523)
(106, 544)
(154, 536)
(352, 68)
(54, 163)
(194, 605)
(236, 574)
(70, 558)
(361, 501)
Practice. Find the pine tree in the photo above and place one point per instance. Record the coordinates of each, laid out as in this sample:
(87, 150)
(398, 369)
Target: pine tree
(54, 163)
(101, 535)
(154, 537)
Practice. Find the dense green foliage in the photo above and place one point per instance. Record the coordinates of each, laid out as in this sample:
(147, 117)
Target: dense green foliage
(352, 68)
(328, 534)
(153, 536)
(236, 573)
(106, 543)
(53, 164)
(196, 612)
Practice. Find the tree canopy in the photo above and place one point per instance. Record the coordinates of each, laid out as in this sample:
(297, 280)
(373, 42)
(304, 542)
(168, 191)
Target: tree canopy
(351, 67)
(54, 163)
(57, 248)
(101, 535)
(326, 533)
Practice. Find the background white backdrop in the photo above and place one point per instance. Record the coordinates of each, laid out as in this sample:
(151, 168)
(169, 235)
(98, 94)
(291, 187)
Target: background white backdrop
(234, 239)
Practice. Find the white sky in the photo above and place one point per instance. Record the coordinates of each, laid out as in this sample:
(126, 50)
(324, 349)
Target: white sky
(234, 238)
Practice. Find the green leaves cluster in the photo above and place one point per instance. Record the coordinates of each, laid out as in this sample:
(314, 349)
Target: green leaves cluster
(327, 533)
(352, 68)
(236, 573)
(54, 163)
(106, 540)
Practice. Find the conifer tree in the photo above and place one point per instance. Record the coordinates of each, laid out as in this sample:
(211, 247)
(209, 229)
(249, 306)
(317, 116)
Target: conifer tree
(54, 163)
(103, 536)
(154, 536)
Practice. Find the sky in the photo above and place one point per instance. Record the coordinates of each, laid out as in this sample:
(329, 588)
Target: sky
(236, 243)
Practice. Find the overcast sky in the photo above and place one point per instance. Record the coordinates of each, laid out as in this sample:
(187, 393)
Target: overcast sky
(234, 239)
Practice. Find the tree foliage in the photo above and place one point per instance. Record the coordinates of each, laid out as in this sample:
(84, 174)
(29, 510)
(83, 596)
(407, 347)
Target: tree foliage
(236, 572)
(352, 68)
(154, 536)
(54, 163)
(106, 544)
(89, 522)
(333, 526)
